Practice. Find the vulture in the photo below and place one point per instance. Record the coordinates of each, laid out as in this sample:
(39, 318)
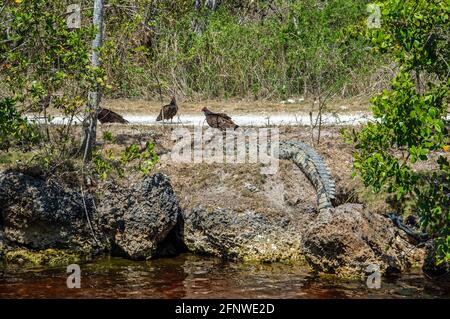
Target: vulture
(108, 116)
(168, 111)
(219, 120)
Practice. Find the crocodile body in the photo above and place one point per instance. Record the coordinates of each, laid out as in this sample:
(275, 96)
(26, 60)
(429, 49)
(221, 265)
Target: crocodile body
(313, 166)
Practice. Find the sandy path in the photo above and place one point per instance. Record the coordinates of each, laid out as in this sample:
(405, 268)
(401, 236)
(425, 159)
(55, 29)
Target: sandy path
(283, 119)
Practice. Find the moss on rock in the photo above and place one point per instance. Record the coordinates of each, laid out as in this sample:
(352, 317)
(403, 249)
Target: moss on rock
(49, 257)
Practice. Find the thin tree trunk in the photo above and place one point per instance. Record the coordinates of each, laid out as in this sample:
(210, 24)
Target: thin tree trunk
(197, 5)
(90, 123)
(418, 84)
(320, 119)
(212, 4)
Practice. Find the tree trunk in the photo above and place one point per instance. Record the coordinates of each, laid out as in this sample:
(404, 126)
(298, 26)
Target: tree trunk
(93, 106)
(199, 24)
(197, 5)
(212, 4)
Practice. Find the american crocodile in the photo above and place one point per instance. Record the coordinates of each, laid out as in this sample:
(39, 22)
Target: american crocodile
(313, 166)
(310, 163)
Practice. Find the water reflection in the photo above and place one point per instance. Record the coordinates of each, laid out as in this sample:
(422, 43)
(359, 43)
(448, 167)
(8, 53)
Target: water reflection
(189, 276)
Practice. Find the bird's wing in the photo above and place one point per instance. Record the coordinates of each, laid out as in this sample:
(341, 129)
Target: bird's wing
(101, 114)
(213, 120)
(108, 116)
(172, 111)
(223, 115)
(224, 122)
(163, 112)
(160, 116)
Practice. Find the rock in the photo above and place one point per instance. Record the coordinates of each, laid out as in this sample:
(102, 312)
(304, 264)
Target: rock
(42, 222)
(39, 214)
(344, 240)
(36, 215)
(347, 239)
(247, 235)
(142, 217)
(2, 246)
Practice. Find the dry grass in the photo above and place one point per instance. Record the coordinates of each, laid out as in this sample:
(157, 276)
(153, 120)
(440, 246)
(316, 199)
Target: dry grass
(235, 106)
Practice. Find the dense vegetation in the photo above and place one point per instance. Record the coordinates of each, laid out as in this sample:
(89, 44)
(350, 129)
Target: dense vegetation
(243, 48)
(411, 117)
(261, 49)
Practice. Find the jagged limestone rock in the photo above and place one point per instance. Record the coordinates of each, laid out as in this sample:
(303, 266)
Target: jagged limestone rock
(246, 236)
(142, 217)
(138, 222)
(342, 240)
(347, 239)
(39, 214)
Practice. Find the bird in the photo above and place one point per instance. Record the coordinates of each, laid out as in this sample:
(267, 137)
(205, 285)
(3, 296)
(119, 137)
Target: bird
(219, 120)
(168, 111)
(108, 116)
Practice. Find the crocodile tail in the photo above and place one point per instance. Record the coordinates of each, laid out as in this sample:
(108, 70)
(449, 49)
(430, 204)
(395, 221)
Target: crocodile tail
(314, 167)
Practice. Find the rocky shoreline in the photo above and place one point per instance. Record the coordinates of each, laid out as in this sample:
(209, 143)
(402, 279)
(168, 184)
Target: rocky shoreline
(44, 223)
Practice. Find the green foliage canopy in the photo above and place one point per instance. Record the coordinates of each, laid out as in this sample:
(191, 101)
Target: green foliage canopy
(410, 120)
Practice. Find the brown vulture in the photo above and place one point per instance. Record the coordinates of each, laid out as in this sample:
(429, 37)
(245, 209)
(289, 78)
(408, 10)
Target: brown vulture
(168, 111)
(219, 120)
(108, 116)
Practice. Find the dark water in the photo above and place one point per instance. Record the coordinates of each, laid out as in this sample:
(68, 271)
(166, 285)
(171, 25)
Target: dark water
(189, 276)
